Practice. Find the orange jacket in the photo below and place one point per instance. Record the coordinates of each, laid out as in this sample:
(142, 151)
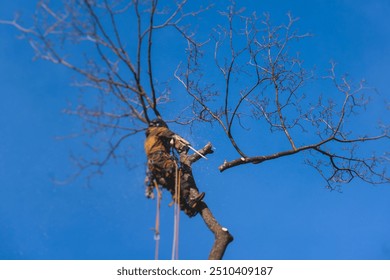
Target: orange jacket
(157, 140)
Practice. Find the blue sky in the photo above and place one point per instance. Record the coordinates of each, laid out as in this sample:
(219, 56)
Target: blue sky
(276, 210)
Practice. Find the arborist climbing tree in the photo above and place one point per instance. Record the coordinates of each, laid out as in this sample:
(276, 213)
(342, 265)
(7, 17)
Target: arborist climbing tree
(165, 169)
(169, 165)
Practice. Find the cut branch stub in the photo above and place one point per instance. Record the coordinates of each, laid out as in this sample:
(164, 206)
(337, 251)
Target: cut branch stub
(221, 234)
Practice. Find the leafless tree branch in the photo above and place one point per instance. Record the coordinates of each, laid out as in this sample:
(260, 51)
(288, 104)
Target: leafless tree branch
(264, 79)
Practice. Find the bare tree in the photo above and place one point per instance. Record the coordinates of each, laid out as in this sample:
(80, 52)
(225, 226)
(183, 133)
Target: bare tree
(111, 45)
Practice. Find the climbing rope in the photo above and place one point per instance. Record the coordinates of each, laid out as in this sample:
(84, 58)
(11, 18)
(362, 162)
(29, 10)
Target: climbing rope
(176, 219)
(157, 224)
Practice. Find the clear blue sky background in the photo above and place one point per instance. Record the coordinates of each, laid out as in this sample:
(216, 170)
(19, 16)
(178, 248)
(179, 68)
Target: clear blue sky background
(278, 210)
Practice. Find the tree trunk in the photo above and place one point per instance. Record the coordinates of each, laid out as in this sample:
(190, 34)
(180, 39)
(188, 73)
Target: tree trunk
(221, 234)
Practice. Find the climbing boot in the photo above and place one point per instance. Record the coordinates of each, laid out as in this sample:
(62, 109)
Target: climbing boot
(194, 200)
(190, 212)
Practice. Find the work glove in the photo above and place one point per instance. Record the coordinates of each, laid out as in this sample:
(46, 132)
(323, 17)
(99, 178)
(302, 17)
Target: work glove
(180, 144)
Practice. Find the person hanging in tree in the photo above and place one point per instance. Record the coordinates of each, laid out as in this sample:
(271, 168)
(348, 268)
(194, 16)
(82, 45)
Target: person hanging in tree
(163, 167)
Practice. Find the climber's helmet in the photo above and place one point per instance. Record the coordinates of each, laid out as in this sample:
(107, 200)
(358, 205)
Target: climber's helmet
(158, 123)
